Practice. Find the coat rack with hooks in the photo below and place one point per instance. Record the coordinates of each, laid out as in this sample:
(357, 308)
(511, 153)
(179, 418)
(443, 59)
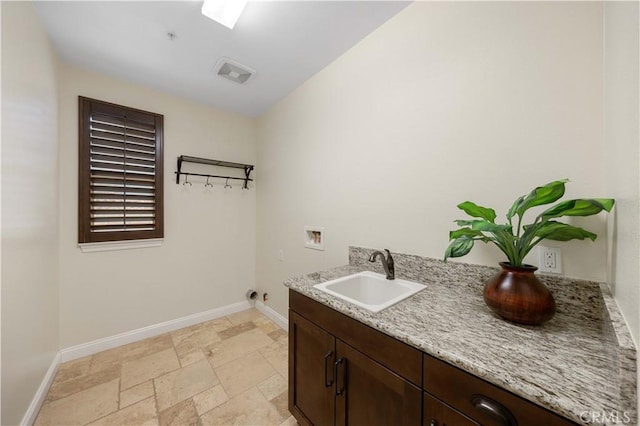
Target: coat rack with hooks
(185, 158)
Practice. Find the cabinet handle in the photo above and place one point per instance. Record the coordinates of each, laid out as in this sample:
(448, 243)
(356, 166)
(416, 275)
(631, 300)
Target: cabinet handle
(433, 423)
(336, 366)
(493, 409)
(328, 382)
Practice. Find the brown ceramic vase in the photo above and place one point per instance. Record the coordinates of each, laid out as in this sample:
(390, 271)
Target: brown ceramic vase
(518, 296)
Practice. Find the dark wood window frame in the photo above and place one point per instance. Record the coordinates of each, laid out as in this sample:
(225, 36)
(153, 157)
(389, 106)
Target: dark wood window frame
(121, 175)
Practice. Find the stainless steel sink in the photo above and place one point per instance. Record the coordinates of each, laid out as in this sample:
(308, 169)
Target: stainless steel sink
(371, 291)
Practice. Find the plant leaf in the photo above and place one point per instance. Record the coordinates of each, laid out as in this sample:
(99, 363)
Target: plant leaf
(469, 233)
(559, 231)
(464, 222)
(464, 231)
(459, 247)
(545, 194)
(514, 207)
(579, 207)
(483, 225)
(474, 210)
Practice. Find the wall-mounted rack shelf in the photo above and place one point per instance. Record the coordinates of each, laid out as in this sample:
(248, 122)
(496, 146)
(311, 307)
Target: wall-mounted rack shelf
(185, 158)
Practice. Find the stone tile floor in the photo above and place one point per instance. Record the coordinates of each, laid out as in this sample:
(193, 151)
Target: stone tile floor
(227, 371)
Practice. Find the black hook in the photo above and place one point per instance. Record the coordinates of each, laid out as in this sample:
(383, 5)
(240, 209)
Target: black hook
(226, 185)
(186, 180)
(208, 184)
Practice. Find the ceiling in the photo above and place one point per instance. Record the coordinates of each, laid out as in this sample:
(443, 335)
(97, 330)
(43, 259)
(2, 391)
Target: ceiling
(286, 42)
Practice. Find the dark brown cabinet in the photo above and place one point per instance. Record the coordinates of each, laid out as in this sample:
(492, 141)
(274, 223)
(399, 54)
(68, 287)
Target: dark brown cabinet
(343, 372)
(331, 382)
(311, 362)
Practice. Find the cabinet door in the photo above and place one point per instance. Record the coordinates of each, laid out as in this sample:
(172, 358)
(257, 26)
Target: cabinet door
(311, 360)
(437, 413)
(369, 394)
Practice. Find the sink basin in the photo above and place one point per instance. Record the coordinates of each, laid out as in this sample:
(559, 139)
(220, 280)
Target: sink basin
(371, 291)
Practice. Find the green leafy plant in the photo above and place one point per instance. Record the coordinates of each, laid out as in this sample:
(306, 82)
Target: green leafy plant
(516, 245)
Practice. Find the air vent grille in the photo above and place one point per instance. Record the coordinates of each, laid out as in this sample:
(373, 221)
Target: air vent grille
(234, 71)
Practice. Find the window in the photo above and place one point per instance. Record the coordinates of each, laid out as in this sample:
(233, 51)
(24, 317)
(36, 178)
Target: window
(120, 173)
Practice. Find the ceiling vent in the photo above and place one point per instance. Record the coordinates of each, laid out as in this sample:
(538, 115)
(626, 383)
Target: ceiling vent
(234, 71)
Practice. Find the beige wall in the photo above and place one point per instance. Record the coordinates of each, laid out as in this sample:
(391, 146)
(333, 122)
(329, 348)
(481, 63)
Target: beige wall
(208, 254)
(443, 103)
(622, 139)
(29, 208)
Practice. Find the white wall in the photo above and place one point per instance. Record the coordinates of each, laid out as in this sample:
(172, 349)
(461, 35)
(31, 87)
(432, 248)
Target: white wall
(206, 260)
(29, 208)
(443, 103)
(622, 140)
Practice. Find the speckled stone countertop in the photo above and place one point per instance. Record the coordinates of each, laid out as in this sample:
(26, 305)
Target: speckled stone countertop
(581, 364)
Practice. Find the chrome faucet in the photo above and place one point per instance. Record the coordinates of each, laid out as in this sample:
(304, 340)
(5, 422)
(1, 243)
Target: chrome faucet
(387, 263)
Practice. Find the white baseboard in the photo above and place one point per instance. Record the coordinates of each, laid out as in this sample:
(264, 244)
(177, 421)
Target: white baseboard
(99, 345)
(29, 417)
(273, 315)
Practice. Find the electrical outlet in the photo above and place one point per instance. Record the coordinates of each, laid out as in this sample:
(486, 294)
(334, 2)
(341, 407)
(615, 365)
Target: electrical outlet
(550, 259)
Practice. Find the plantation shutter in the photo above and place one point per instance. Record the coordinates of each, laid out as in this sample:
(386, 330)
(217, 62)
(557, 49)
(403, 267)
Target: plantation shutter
(121, 163)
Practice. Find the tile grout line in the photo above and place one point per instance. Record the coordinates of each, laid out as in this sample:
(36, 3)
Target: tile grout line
(119, 385)
(155, 399)
(273, 375)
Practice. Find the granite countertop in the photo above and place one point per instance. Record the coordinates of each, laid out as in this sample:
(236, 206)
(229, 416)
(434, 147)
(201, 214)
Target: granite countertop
(581, 364)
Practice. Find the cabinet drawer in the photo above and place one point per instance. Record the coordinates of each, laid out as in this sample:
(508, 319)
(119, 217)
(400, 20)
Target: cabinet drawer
(398, 357)
(481, 401)
(438, 414)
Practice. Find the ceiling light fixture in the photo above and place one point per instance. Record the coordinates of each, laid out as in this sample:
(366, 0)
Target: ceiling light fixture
(225, 12)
